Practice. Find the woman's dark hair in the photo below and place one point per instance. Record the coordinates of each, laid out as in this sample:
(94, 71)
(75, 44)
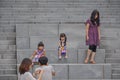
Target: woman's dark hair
(93, 20)
(43, 60)
(24, 66)
(40, 44)
(63, 35)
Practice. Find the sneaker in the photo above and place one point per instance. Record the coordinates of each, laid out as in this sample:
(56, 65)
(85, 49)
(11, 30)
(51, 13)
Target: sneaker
(60, 57)
(66, 57)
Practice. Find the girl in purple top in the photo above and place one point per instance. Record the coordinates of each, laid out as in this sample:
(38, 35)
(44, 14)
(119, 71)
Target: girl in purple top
(39, 52)
(92, 35)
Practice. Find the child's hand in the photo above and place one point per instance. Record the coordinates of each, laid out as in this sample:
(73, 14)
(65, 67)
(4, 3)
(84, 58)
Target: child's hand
(32, 64)
(42, 55)
(37, 72)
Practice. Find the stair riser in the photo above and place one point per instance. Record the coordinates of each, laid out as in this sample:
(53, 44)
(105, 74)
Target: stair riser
(7, 38)
(10, 77)
(113, 60)
(8, 52)
(7, 47)
(11, 66)
(116, 71)
(113, 55)
(116, 77)
(3, 61)
(7, 42)
(6, 72)
(7, 56)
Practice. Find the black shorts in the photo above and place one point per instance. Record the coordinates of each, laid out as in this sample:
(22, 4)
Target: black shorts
(93, 48)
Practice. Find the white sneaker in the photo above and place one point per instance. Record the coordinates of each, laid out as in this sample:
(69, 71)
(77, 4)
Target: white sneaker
(60, 57)
(66, 57)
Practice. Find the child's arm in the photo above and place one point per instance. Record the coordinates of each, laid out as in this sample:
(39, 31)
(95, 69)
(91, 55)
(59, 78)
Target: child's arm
(53, 73)
(44, 53)
(40, 75)
(87, 29)
(60, 47)
(33, 55)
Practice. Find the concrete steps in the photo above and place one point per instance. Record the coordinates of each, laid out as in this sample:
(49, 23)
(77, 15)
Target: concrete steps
(116, 70)
(81, 71)
(8, 71)
(113, 55)
(7, 48)
(8, 77)
(7, 56)
(7, 61)
(69, 17)
(3, 51)
(7, 38)
(8, 66)
(75, 36)
(7, 42)
(112, 60)
(115, 76)
(75, 56)
(56, 20)
(44, 20)
(10, 47)
(7, 34)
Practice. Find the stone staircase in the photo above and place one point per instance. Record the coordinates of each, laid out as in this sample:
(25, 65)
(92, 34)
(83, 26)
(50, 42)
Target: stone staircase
(29, 21)
(7, 53)
(114, 59)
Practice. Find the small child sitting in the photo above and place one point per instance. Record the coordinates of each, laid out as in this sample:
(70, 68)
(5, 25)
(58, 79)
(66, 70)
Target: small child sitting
(62, 50)
(39, 52)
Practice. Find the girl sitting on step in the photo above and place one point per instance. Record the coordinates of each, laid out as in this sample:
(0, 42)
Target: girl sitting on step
(62, 46)
(39, 52)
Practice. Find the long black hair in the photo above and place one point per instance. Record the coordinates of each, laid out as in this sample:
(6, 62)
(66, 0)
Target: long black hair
(93, 20)
(63, 35)
(40, 44)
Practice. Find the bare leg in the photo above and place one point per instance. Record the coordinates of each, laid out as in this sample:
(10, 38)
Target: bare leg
(66, 56)
(92, 60)
(88, 55)
(59, 54)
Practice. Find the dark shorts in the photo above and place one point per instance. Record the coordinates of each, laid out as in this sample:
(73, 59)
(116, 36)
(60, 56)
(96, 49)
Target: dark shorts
(93, 48)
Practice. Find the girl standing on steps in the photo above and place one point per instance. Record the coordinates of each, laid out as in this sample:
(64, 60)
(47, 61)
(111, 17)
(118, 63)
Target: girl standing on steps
(92, 35)
(62, 46)
(38, 53)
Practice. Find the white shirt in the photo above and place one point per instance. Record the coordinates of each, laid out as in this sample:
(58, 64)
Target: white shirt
(47, 74)
(27, 76)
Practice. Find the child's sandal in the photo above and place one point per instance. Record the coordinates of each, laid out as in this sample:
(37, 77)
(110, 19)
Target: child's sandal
(93, 62)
